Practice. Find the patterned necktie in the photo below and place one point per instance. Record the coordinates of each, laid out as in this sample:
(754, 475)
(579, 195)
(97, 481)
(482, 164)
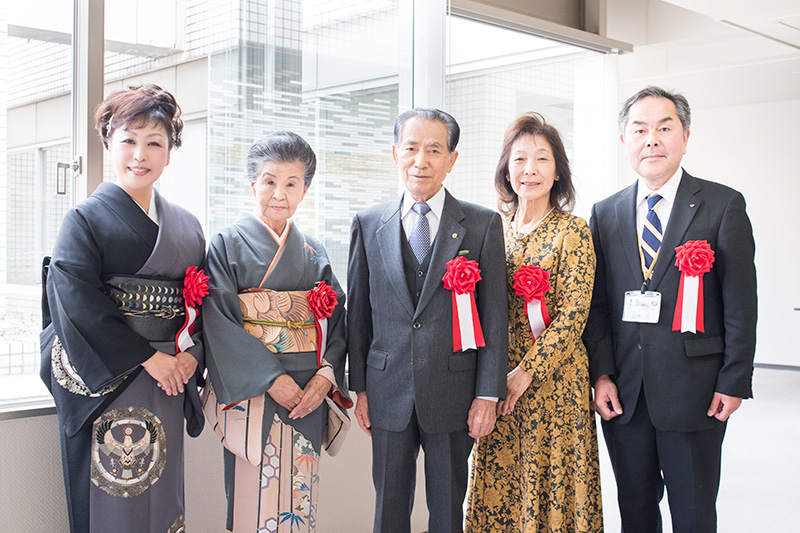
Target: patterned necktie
(420, 238)
(651, 234)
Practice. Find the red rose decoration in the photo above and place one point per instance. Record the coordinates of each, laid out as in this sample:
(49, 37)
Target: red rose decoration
(195, 286)
(694, 258)
(531, 283)
(322, 300)
(462, 275)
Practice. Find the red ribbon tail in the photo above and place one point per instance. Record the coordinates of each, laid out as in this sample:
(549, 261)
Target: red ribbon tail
(319, 342)
(456, 326)
(699, 324)
(187, 326)
(677, 319)
(476, 323)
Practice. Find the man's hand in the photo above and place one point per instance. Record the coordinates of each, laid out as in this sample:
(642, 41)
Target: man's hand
(482, 416)
(606, 398)
(362, 413)
(285, 392)
(517, 382)
(170, 372)
(722, 406)
(313, 395)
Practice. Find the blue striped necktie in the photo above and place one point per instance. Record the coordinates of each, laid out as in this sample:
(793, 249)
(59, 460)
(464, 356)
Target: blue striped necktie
(651, 234)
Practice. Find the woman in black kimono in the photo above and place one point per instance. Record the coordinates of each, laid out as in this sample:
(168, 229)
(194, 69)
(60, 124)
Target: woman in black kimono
(116, 294)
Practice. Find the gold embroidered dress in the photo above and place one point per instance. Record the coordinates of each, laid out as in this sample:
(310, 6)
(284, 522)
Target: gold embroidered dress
(538, 470)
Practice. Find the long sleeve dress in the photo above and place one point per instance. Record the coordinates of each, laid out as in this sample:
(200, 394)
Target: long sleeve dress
(276, 488)
(121, 435)
(538, 470)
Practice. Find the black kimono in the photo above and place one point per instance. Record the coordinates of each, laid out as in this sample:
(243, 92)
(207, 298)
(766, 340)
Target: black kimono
(121, 435)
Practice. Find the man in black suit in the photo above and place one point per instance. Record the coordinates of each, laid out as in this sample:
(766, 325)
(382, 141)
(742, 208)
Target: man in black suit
(665, 385)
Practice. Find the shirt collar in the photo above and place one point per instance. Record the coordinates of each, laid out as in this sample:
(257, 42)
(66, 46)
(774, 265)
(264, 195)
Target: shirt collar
(436, 203)
(667, 191)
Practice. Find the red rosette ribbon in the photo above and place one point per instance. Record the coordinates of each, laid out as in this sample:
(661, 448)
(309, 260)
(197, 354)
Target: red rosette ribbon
(531, 283)
(693, 259)
(322, 301)
(461, 278)
(195, 287)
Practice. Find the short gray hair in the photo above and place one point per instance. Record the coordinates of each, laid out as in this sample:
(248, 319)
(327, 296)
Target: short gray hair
(282, 147)
(681, 106)
(429, 113)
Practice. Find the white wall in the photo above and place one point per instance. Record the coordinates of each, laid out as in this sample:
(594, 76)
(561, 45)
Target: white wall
(753, 149)
(743, 91)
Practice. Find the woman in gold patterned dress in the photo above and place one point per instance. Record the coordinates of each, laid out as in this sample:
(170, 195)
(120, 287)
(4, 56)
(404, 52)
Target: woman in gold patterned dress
(538, 470)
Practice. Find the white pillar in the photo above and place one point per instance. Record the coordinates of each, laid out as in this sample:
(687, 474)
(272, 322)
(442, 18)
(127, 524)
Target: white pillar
(87, 82)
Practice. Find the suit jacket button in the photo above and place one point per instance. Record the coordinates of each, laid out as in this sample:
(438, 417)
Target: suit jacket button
(420, 273)
(417, 325)
(639, 346)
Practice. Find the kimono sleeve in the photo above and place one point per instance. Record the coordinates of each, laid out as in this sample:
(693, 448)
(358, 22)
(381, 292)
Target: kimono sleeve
(100, 344)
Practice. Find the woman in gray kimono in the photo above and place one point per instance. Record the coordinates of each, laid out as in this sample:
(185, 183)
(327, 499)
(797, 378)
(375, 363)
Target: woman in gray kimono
(115, 290)
(273, 356)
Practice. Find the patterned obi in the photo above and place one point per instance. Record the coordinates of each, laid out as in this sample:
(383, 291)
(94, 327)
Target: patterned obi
(153, 308)
(282, 320)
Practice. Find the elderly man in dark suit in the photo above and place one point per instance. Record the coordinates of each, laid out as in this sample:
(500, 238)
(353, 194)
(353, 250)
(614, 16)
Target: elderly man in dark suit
(414, 387)
(666, 380)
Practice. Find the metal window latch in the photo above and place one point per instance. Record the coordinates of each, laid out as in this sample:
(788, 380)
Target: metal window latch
(61, 173)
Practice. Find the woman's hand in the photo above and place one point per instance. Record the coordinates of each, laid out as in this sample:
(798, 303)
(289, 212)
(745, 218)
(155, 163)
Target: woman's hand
(171, 372)
(286, 392)
(517, 382)
(314, 393)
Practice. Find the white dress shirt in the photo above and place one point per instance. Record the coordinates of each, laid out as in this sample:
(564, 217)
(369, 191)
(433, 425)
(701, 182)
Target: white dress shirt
(409, 217)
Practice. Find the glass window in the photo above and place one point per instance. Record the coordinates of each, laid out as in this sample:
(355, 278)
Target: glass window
(327, 70)
(35, 125)
(488, 87)
(335, 71)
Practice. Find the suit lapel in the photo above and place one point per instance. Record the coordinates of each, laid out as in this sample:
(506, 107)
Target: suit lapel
(388, 237)
(683, 211)
(445, 247)
(626, 225)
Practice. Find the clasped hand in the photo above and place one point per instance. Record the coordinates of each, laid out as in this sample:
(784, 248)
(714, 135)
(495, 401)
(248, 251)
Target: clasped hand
(171, 372)
(299, 402)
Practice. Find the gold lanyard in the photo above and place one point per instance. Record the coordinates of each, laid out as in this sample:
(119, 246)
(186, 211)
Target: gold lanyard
(647, 271)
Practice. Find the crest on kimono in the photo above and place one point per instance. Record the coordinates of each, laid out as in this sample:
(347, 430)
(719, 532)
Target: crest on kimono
(128, 451)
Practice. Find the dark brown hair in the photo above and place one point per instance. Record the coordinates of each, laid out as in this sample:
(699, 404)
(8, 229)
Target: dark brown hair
(135, 107)
(562, 195)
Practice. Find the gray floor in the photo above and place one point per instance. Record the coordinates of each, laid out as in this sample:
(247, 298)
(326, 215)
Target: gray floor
(760, 490)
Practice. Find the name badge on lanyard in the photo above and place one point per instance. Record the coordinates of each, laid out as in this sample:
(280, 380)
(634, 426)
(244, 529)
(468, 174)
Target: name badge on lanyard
(643, 307)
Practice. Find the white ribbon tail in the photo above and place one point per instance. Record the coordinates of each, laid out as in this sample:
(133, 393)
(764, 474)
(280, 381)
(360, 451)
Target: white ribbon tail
(184, 337)
(464, 307)
(534, 308)
(691, 289)
(322, 342)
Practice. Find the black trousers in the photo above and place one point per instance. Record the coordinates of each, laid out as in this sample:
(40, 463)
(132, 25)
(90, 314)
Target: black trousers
(645, 460)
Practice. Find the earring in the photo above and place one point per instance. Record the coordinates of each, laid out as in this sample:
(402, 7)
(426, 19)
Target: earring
(557, 178)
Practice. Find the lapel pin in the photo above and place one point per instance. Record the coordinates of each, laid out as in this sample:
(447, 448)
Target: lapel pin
(691, 205)
(455, 235)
